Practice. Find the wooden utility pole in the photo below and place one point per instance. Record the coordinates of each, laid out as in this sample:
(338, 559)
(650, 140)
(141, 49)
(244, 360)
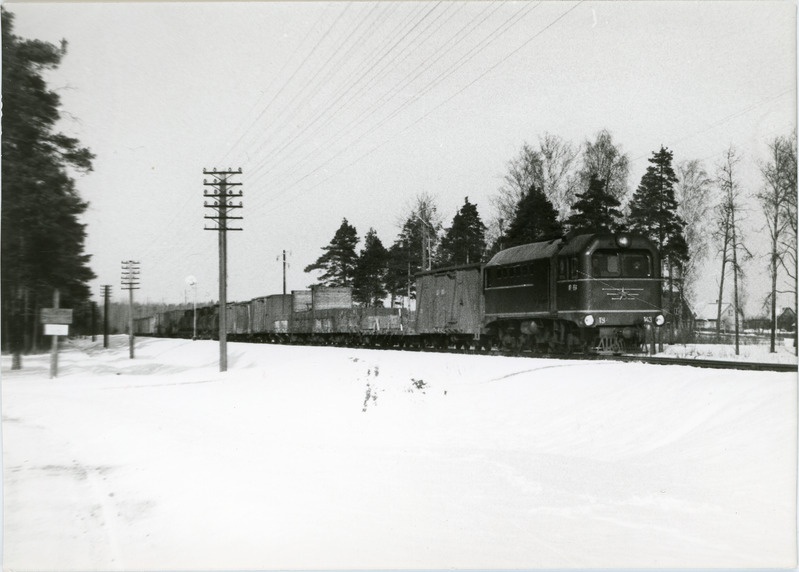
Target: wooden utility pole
(93, 309)
(221, 206)
(284, 272)
(130, 282)
(54, 339)
(106, 296)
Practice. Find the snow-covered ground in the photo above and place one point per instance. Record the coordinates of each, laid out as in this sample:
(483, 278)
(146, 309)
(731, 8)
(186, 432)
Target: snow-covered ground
(750, 352)
(349, 458)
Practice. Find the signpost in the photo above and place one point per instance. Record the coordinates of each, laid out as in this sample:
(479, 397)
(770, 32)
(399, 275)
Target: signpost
(56, 323)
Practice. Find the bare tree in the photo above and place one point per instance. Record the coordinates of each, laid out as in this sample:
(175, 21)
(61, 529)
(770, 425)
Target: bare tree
(605, 160)
(558, 177)
(789, 260)
(773, 198)
(524, 171)
(728, 234)
(694, 199)
(549, 167)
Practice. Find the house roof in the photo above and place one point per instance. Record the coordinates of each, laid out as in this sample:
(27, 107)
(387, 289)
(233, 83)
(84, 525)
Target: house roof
(710, 310)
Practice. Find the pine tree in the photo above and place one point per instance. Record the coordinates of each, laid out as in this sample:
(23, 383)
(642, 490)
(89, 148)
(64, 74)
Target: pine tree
(595, 210)
(42, 238)
(535, 219)
(369, 282)
(464, 242)
(339, 260)
(399, 281)
(405, 258)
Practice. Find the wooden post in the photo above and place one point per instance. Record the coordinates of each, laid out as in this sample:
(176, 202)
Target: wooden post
(54, 342)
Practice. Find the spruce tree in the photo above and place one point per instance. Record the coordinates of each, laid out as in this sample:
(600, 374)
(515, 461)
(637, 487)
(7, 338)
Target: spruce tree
(464, 242)
(339, 260)
(42, 238)
(653, 213)
(596, 210)
(369, 282)
(535, 219)
(653, 209)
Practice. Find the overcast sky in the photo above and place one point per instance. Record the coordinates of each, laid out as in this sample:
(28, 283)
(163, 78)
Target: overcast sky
(340, 109)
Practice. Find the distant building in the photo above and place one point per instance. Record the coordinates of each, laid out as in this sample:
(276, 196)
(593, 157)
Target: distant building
(787, 320)
(707, 315)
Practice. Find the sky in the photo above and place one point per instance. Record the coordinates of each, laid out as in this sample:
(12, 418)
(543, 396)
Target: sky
(351, 110)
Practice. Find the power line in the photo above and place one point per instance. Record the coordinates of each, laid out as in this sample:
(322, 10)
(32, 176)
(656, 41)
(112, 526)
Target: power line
(274, 80)
(364, 155)
(492, 36)
(376, 58)
(330, 112)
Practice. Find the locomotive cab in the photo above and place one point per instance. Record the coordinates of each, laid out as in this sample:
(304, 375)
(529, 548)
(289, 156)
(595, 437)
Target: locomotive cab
(593, 291)
(610, 286)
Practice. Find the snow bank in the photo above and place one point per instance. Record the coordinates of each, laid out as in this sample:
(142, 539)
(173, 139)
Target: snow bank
(345, 458)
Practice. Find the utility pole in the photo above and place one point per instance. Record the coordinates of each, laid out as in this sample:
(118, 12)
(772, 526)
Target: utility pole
(94, 319)
(54, 342)
(130, 282)
(221, 206)
(285, 265)
(106, 296)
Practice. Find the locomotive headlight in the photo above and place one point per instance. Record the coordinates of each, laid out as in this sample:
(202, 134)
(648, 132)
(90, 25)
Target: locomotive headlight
(660, 320)
(588, 320)
(623, 241)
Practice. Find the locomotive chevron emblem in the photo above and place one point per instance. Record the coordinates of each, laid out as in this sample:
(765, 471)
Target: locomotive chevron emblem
(622, 293)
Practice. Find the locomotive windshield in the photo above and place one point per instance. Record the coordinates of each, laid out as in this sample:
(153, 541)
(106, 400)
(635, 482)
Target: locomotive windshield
(627, 264)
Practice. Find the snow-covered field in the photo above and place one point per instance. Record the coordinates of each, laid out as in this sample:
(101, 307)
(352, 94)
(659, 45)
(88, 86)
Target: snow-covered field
(749, 352)
(344, 458)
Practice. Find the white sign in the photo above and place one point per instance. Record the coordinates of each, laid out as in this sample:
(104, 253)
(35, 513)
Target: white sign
(56, 330)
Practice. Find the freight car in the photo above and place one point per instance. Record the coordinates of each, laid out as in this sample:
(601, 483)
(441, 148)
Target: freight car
(594, 292)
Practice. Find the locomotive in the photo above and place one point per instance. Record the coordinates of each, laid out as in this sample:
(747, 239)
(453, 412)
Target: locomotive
(596, 292)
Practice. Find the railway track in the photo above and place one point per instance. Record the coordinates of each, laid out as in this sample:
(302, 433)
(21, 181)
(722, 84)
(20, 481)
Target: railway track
(632, 358)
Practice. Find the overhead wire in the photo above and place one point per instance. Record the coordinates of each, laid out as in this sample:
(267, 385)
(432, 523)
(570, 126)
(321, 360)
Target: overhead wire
(497, 32)
(169, 226)
(338, 104)
(492, 36)
(246, 117)
(319, 43)
(377, 60)
(392, 92)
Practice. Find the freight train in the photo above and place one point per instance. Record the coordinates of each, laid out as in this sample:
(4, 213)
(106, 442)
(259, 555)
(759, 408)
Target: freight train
(592, 292)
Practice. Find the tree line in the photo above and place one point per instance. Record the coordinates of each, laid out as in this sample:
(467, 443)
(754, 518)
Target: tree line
(556, 188)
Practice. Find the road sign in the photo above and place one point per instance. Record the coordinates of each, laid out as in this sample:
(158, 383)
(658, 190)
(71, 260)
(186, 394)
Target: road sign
(56, 330)
(56, 316)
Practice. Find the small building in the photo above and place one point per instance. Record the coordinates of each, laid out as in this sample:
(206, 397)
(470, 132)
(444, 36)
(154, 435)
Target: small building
(786, 320)
(707, 316)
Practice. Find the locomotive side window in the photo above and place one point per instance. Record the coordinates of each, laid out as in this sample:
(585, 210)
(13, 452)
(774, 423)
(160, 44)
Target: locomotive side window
(562, 267)
(573, 268)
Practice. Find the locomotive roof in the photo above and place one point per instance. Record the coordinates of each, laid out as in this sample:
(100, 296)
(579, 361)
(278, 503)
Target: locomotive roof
(540, 250)
(525, 252)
